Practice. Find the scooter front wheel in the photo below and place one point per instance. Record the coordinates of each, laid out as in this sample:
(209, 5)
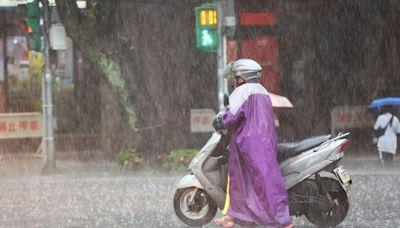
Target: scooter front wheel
(194, 207)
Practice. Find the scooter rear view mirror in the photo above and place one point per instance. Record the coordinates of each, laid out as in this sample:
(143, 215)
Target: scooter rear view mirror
(226, 100)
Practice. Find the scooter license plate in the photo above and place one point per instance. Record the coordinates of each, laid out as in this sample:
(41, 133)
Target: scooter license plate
(343, 175)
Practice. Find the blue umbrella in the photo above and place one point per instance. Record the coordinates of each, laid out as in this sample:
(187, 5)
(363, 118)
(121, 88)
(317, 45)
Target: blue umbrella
(378, 104)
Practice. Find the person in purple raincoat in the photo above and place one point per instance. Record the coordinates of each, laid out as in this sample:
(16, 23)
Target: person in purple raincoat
(256, 189)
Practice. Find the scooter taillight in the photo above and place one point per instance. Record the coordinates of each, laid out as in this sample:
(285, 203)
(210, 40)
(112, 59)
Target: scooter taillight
(343, 146)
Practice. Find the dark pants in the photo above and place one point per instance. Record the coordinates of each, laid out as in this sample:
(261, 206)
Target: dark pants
(387, 157)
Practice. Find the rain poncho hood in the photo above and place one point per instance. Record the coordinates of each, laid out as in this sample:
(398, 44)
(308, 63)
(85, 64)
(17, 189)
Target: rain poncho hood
(256, 186)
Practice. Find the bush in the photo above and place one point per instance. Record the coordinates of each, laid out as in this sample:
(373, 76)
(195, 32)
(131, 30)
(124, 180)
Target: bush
(178, 159)
(129, 158)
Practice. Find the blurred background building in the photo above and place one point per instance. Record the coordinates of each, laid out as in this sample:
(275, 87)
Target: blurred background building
(321, 54)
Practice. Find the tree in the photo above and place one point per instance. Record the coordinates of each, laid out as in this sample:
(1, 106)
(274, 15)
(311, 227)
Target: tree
(148, 61)
(95, 33)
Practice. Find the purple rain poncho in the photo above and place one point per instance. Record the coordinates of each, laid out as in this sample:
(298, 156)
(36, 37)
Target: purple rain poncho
(256, 189)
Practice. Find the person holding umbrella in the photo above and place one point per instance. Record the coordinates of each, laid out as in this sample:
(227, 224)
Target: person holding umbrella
(389, 125)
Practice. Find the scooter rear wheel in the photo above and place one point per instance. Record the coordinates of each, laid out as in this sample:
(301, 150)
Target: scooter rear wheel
(337, 213)
(200, 212)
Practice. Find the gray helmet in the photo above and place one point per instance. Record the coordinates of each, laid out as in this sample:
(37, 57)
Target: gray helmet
(249, 69)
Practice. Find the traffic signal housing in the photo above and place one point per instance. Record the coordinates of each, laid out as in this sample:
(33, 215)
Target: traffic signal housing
(207, 27)
(30, 26)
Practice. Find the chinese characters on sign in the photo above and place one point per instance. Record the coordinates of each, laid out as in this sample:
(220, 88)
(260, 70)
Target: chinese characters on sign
(346, 117)
(201, 120)
(20, 125)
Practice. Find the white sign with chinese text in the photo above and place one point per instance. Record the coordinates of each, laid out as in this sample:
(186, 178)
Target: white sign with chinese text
(20, 125)
(13, 3)
(201, 120)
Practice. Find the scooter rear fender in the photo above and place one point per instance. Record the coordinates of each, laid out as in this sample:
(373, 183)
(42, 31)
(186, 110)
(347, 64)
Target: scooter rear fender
(327, 174)
(189, 181)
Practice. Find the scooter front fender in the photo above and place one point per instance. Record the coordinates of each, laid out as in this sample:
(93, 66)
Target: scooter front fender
(189, 181)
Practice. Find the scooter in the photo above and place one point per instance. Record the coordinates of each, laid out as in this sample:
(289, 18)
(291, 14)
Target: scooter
(316, 184)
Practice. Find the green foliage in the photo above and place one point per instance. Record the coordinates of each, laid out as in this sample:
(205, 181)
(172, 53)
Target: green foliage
(123, 39)
(129, 158)
(178, 159)
(34, 104)
(113, 73)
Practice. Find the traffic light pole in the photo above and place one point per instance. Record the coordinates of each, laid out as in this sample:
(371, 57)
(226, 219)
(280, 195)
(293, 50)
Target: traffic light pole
(221, 58)
(48, 139)
(211, 37)
(5, 70)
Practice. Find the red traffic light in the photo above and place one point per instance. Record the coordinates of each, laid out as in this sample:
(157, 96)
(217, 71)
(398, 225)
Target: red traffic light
(24, 27)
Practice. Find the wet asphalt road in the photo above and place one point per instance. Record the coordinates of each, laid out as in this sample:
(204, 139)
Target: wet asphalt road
(105, 197)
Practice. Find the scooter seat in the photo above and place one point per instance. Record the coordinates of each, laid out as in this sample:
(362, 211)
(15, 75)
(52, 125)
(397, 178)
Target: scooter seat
(288, 150)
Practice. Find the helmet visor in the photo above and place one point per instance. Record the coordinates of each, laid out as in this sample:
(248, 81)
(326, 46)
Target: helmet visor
(229, 71)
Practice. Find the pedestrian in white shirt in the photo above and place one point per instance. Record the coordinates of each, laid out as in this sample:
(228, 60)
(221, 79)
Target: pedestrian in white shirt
(387, 143)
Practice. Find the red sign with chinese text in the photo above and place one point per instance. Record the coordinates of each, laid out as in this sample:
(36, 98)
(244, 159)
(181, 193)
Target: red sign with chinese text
(347, 117)
(201, 120)
(20, 125)
(264, 50)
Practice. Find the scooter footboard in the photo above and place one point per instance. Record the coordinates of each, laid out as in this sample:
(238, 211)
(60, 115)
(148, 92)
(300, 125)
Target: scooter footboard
(215, 170)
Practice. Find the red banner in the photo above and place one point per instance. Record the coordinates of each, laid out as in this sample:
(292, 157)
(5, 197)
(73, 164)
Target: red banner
(247, 19)
(264, 50)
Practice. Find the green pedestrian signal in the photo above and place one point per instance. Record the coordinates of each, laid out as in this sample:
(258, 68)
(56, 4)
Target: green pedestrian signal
(207, 39)
(206, 27)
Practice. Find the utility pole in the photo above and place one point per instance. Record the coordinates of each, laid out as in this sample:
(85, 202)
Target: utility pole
(226, 27)
(4, 29)
(5, 68)
(214, 21)
(229, 23)
(221, 58)
(208, 38)
(48, 140)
